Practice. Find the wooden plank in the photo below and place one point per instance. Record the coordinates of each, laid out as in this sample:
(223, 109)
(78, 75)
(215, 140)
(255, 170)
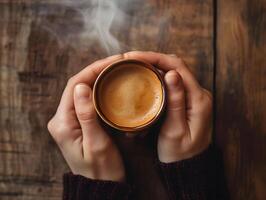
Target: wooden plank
(241, 94)
(43, 43)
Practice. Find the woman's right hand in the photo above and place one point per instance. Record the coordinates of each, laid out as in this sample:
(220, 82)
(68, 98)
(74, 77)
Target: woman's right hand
(87, 148)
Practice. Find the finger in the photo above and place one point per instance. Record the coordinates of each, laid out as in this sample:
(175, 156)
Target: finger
(64, 130)
(176, 107)
(170, 62)
(88, 76)
(93, 135)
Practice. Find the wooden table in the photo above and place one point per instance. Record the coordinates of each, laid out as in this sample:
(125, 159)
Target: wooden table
(43, 43)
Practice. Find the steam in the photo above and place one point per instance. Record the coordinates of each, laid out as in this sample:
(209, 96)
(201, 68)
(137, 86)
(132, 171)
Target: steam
(95, 21)
(105, 14)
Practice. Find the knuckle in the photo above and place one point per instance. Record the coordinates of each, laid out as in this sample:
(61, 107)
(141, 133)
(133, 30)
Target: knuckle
(87, 115)
(177, 105)
(178, 96)
(50, 125)
(177, 100)
(62, 128)
(200, 96)
(179, 61)
(58, 129)
(118, 56)
(204, 99)
(129, 54)
(60, 133)
(71, 81)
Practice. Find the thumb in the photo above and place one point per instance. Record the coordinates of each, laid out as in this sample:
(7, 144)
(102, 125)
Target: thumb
(176, 108)
(93, 134)
(84, 106)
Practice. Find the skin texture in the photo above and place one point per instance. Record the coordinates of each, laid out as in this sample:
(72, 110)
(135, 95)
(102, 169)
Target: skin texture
(90, 152)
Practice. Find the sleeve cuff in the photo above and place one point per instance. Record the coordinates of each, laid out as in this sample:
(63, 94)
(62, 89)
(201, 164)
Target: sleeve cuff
(77, 187)
(198, 177)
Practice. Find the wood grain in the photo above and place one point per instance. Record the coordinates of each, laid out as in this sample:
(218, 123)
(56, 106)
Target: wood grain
(241, 95)
(42, 45)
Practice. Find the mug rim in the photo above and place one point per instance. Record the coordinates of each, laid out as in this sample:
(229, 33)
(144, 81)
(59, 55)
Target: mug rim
(111, 67)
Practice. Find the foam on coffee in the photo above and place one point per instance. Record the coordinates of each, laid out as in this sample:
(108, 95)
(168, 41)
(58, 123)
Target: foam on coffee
(130, 95)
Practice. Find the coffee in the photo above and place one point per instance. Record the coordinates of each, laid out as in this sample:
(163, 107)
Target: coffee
(130, 95)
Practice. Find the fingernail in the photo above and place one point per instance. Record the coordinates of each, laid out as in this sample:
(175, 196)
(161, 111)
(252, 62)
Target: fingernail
(82, 91)
(172, 79)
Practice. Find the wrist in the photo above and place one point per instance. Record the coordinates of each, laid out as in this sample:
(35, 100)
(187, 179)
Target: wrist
(168, 151)
(101, 169)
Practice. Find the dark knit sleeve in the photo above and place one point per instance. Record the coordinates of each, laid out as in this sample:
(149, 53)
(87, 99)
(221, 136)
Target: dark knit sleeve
(78, 187)
(197, 178)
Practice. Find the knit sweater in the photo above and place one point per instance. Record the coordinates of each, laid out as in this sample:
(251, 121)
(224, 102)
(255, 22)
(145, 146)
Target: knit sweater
(198, 178)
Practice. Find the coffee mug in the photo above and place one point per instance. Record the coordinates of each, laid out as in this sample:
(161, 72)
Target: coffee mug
(129, 95)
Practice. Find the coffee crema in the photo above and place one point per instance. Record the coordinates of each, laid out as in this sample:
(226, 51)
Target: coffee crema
(130, 95)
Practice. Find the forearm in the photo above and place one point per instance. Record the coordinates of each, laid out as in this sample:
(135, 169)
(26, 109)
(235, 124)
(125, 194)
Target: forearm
(197, 178)
(77, 187)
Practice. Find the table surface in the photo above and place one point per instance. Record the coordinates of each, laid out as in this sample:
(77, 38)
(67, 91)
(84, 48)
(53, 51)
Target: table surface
(43, 43)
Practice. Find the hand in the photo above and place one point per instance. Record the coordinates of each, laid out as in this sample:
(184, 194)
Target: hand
(187, 128)
(88, 150)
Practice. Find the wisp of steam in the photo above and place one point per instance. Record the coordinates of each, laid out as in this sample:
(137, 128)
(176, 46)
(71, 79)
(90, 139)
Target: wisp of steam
(98, 17)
